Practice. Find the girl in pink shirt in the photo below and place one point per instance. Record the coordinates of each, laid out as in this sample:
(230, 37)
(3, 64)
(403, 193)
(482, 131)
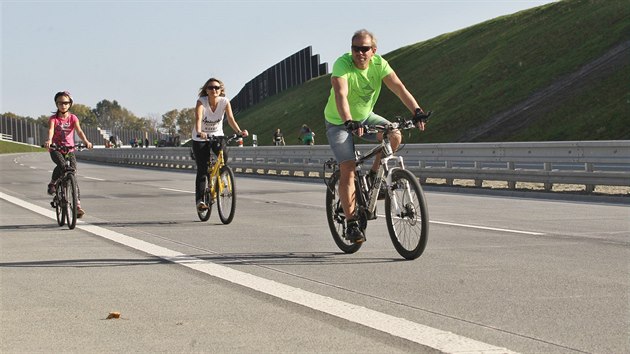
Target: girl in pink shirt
(61, 130)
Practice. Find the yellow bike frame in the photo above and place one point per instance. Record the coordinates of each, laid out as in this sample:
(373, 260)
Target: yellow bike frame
(214, 170)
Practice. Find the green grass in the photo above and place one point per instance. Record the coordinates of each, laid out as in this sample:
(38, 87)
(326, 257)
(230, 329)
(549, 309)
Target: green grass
(8, 147)
(468, 76)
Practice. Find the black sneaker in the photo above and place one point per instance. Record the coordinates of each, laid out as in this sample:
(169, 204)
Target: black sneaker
(51, 189)
(354, 233)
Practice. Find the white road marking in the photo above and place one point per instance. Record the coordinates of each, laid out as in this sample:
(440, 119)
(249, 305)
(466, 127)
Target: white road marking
(176, 190)
(444, 341)
(488, 228)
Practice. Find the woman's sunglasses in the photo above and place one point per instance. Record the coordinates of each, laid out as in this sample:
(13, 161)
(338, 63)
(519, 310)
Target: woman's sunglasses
(213, 88)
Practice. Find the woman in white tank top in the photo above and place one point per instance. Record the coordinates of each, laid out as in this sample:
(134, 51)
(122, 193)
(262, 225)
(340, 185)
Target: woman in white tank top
(211, 108)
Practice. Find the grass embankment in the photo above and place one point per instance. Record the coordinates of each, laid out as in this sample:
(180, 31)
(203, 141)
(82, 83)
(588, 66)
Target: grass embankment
(468, 76)
(8, 147)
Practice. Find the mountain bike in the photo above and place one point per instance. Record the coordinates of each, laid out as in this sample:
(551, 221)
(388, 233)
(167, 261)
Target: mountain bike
(219, 185)
(66, 196)
(406, 212)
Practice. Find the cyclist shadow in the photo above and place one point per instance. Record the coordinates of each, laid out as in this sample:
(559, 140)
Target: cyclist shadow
(291, 258)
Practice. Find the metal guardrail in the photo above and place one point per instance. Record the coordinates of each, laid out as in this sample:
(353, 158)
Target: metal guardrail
(589, 163)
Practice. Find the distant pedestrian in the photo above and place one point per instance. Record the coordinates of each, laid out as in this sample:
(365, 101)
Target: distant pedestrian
(278, 138)
(307, 135)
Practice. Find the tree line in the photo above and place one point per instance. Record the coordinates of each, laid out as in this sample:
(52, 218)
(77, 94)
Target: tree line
(111, 115)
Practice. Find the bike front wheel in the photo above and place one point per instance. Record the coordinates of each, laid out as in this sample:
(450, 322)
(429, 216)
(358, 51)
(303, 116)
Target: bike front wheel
(407, 215)
(59, 204)
(72, 200)
(226, 195)
(204, 214)
(336, 217)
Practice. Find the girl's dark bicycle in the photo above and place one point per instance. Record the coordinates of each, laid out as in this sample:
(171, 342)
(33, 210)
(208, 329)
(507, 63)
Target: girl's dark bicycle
(219, 185)
(66, 197)
(406, 212)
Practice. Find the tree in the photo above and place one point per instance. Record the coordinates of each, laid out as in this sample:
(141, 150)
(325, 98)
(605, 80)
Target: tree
(185, 121)
(85, 114)
(169, 122)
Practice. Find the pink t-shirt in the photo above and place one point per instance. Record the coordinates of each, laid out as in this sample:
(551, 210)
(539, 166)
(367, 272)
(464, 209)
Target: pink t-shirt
(64, 130)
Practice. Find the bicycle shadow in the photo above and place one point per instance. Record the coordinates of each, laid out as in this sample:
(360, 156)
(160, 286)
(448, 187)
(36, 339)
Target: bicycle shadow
(292, 258)
(32, 227)
(85, 263)
(257, 259)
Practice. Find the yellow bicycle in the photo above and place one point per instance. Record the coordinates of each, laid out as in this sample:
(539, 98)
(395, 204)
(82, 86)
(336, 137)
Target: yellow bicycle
(219, 186)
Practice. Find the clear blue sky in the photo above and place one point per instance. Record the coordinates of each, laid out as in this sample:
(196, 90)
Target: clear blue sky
(152, 56)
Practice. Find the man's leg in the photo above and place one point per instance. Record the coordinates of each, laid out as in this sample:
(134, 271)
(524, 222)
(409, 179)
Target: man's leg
(347, 194)
(395, 138)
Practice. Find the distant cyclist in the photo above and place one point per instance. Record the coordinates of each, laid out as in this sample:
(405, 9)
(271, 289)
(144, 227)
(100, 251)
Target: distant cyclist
(61, 128)
(212, 105)
(356, 84)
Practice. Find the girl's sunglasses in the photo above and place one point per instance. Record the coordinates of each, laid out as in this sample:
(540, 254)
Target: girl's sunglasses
(213, 88)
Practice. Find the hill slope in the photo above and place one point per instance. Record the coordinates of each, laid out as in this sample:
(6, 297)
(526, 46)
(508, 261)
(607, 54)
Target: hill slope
(556, 72)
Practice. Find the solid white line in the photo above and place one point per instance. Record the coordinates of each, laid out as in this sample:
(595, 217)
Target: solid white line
(446, 342)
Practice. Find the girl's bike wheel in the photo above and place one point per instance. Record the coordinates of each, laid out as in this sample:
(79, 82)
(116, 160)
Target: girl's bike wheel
(335, 216)
(407, 215)
(204, 215)
(72, 199)
(226, 195)
(59, 205)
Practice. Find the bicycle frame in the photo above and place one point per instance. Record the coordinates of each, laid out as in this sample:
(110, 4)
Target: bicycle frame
(214, 170)
(383, 173)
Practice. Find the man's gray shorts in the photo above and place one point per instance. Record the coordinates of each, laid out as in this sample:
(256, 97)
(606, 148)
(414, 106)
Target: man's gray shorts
(341, 141)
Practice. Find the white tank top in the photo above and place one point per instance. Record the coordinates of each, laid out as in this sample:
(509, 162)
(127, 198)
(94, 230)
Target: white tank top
(212, 121)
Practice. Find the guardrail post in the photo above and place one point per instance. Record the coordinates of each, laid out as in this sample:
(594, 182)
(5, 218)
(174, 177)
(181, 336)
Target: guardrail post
(547, 168)
(422, 165)
(478, 182)
(511, 184)
(588, 167)
(449, 165)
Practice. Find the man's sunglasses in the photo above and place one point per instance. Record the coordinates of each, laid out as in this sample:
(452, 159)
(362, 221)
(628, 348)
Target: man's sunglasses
(213, 88)
(63, 103)
(362, 49)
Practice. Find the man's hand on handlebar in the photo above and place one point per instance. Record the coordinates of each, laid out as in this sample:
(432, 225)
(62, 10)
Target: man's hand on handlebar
(420, 118)
(354, 126)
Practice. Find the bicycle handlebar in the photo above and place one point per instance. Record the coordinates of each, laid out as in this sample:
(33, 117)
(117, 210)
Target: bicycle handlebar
(228, 138)
(400, 123)
(55, 147)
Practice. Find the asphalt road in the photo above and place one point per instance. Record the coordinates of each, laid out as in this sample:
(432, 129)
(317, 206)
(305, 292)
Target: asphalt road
(499, 274)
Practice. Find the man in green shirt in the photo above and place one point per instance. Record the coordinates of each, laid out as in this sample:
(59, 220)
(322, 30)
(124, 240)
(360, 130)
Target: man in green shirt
(356, 81)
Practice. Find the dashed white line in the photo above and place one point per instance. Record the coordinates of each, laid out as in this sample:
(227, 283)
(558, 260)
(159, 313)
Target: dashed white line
(94, 178)
(487, 228)
(177, 190)
(447, 342)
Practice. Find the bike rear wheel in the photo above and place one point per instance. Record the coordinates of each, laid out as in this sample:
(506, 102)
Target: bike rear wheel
(336, 217)
(407, 215)
(226, 196)
(72, 200)
(204, 214)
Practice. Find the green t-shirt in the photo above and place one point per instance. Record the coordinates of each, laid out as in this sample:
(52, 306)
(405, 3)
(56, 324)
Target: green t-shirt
(364, 86)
